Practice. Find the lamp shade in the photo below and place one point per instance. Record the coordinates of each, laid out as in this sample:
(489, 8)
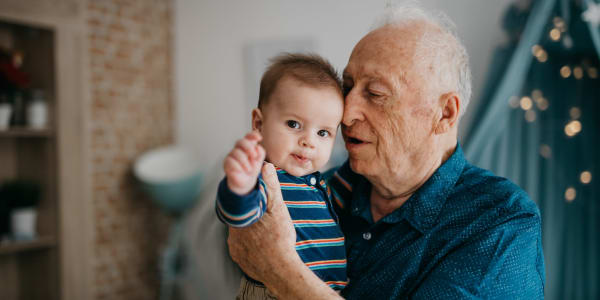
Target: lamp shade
(171, 176)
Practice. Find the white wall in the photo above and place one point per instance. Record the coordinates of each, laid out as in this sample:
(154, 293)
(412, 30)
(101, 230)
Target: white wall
(210, 35)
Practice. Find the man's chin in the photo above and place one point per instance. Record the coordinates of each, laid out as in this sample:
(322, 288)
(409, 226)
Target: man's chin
(358, 165)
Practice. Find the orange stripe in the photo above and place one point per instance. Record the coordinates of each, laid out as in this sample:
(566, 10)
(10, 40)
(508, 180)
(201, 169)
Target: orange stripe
(294, 184)
(325, 262)
(344, 182)
(337, 282)
(304, 202)
(341, 239)
(311, 221)
(338, 201)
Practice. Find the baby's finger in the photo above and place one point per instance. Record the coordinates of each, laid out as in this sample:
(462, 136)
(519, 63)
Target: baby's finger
(260, 157)
(242, 159)
(231, 165)
(254, 136)
(247, 146)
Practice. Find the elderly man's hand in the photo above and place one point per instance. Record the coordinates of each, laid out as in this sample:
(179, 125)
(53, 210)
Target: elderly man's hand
(261, 249)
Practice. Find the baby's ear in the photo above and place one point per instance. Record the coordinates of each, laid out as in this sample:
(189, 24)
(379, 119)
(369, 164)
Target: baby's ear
(257, 119)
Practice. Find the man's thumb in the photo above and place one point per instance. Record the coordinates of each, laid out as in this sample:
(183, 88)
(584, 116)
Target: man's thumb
(273, 189)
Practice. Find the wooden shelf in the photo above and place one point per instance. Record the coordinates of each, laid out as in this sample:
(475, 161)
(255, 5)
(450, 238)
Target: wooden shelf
(25, 132)
(37, 244)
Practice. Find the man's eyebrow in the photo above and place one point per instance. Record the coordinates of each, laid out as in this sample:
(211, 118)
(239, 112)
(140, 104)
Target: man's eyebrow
(402, 77)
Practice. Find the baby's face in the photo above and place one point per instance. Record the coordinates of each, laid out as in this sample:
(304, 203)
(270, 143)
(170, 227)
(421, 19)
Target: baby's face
(299, 124)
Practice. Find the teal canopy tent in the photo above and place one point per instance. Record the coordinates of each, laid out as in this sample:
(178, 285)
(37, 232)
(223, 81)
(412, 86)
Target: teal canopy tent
(538, 125)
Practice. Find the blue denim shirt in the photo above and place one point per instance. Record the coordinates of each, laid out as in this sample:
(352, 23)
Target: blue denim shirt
(464, 234)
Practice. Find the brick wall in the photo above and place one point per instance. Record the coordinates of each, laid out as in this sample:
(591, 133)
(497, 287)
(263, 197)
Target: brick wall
(131, 111)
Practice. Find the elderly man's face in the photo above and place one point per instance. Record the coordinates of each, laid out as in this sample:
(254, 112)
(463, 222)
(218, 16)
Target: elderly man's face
(390, 112)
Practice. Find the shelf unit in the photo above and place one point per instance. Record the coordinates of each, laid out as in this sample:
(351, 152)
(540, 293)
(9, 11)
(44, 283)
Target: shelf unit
(58, 264)
(40, 243)
(31, 269)
(26, 132)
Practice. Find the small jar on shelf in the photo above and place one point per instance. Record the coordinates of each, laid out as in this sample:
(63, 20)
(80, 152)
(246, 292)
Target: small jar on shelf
(5, 111)
(37, 111)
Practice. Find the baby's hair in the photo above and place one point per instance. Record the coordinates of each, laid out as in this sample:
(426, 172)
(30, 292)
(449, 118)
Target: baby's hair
(310, 69)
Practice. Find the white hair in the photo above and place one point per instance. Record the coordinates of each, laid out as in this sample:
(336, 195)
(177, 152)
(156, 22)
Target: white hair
(444, 49)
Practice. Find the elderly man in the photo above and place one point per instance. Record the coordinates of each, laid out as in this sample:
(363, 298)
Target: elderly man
(419, 220)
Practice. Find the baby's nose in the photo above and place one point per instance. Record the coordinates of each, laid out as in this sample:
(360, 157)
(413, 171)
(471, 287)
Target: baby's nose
(306, 141)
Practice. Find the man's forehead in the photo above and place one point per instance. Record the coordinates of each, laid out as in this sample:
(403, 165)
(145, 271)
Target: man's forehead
(385, 51)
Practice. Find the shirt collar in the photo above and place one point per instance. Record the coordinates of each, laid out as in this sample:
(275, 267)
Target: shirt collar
(306, 178)
(423, 207)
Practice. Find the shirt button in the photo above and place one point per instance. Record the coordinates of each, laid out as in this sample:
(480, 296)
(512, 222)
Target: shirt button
(313, 180)
(367, 236)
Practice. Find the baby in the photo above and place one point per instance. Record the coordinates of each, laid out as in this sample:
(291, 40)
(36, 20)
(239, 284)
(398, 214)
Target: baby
(300, 107)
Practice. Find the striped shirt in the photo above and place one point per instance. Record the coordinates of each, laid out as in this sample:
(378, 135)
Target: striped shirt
(319, 240)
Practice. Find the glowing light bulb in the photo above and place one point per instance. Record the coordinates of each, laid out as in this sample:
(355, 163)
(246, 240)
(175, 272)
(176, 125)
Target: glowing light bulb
(593, 72)
(578, 72)
(542, 103)
(565, 71)
(570, 194)
(530, 116)
(573, 128)
(575, 113)
(543, 57)
(559, 23)
(535, 50)
(545, 151)
(555, 34)
(585, 177)
(526, 103)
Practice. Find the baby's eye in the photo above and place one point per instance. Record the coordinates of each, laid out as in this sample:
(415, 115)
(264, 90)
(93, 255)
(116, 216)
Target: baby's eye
(293, 124)
(323, 133)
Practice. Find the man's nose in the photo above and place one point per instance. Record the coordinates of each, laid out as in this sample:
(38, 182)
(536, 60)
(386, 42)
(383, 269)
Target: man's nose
(353, 110)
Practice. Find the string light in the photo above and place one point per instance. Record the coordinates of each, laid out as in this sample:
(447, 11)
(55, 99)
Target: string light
(559, 23)
(513, 101)
(530, 116)
(570, 194)
(555, 34)
(545, 151)
(575, 113)
(573, 128)
(578, 72)
(542, 103)
(526, 103)
(585, 177)
(535, 50)
(565, 71)
(543, 57)
(536, 94)
(539, 53)
(593, 72)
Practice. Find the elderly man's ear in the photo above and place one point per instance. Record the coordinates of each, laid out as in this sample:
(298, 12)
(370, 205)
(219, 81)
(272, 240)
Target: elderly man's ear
(450, 104)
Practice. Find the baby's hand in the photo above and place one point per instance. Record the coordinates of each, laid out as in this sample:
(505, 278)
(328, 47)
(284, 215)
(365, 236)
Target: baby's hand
(243, 163)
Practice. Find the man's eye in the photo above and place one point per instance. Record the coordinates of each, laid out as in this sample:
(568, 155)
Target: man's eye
(293, 124)
(373, 94)
(323, 133)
